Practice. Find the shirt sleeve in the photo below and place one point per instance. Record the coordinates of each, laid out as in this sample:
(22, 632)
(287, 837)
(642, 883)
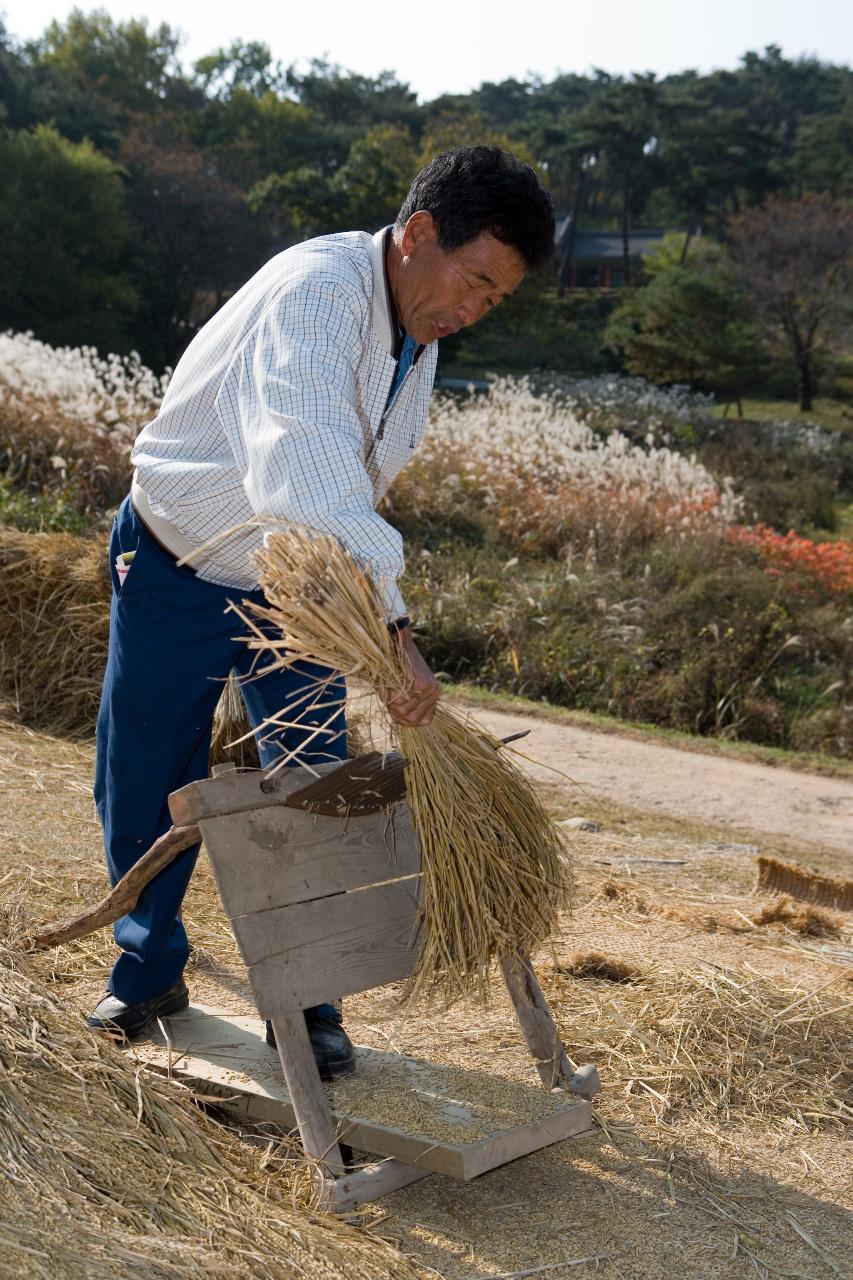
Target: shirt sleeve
(296, 430)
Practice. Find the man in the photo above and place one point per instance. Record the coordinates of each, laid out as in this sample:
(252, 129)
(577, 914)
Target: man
(297, 403)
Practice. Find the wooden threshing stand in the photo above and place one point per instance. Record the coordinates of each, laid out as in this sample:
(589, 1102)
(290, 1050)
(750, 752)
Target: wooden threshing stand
(320, 879)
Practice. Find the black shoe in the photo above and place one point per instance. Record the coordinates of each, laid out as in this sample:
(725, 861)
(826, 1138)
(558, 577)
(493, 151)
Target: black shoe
(333, 1051)
(124, 1021)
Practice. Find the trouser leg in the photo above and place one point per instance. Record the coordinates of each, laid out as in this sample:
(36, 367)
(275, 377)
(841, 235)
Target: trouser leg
(309, 700)
(314, 699)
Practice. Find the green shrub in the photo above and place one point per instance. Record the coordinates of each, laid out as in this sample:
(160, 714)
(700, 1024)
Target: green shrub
(699, 638)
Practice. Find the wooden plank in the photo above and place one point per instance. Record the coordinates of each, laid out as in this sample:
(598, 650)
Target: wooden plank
(316, 951)
(223, 1055)
(555, 1067)
(525, 1139)
(240, 789)
(234, 790)
(307, 1096)
(274, 857)
(365, 784)
(364, 1185)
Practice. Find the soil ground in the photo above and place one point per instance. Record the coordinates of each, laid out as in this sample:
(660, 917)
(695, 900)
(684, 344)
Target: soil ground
(677, 1184)
(740, 795)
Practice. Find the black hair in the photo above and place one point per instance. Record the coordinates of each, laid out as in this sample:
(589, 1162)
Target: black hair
(469, 190)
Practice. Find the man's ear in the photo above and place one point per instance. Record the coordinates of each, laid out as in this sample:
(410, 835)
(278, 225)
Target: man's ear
(419, 231)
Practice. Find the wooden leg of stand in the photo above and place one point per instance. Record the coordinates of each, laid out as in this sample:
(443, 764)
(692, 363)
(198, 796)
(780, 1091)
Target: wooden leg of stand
(555, 1067)
(368, 1184)
(316, 1126)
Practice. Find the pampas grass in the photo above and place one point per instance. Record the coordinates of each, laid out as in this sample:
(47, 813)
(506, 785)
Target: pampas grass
(493, 875)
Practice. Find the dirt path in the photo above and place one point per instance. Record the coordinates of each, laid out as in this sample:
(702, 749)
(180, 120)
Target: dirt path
(737, 793)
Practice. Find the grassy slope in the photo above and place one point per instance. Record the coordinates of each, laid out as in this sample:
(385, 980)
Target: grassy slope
(826, 412)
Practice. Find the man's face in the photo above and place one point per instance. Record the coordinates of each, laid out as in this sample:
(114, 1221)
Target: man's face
(437, 292)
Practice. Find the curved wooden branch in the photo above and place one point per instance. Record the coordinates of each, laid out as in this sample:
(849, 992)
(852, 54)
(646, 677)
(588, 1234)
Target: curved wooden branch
(123, 897)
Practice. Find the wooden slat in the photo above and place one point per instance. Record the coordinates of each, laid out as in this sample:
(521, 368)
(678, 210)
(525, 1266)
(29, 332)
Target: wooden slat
(236, 790)
(323, 926)
(555, 1067)
(521, 1141)
(366, 784)
(277, 856)
(543, 1040)
(316, 951)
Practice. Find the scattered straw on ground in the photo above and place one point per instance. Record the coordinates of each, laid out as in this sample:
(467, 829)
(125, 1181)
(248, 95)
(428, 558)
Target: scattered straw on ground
(718, 1044)
(592, 964)
(811, 922)
(679, 1191)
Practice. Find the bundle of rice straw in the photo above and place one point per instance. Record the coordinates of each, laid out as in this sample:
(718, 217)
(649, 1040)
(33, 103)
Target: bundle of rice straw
(494, 877)
(107, 1172)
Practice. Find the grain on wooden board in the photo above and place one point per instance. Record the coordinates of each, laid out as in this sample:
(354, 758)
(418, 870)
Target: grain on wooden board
(446, 1104)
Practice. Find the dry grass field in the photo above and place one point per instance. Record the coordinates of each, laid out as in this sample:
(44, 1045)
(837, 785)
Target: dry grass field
(720, 1022)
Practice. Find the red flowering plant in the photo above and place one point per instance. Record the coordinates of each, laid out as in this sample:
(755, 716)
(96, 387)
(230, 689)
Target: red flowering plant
(806, 566)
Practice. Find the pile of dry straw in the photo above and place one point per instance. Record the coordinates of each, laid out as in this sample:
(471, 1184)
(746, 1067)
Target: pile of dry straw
(493, 862)
(107, 1172)
(54, 626)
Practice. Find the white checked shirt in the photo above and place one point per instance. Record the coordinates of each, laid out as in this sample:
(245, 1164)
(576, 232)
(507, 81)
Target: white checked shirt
(278, 409)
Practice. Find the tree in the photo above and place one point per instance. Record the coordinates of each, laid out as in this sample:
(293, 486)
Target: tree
(366, 191)
(196, 239)
(346, 105)
(63, 233)
(823, 152)
(96, 74)
(701, 154)
(465, 128)
(621, 120)
(378, 173)
(690, 324)
(17, 84)
(303, 202)
(257, 135)
(247, 66)
(795, 258)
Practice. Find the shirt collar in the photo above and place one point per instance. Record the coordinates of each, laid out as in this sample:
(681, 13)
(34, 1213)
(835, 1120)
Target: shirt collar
(397, 329)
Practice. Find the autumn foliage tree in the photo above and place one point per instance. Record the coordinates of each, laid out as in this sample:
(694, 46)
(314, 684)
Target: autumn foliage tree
(795, 259)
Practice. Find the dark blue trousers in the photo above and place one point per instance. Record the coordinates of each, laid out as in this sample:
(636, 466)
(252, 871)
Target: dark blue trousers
(171, 647)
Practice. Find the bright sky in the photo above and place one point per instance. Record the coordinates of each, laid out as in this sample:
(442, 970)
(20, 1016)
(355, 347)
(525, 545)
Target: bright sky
(452, 46)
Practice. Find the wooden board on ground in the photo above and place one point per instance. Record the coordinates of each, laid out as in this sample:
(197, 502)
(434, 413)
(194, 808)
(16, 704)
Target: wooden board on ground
(444, 1119)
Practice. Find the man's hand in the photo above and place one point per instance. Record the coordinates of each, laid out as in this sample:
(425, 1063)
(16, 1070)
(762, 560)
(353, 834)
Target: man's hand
(415, 706)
